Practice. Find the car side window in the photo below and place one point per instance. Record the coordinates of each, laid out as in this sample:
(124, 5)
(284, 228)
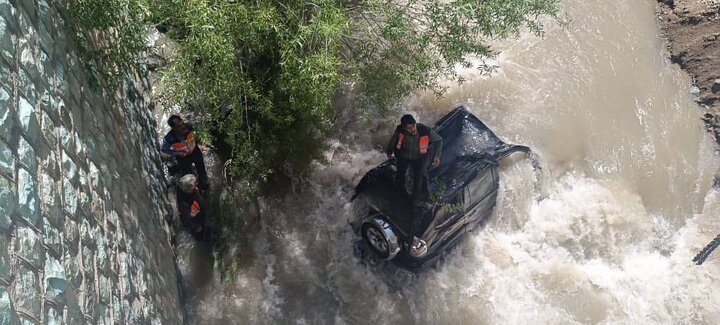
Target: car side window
(479, 187)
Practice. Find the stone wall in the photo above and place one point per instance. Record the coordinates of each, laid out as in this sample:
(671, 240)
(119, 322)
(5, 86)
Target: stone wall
(82, 233)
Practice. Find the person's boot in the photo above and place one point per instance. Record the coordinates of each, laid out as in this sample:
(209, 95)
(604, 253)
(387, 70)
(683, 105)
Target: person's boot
(418, 247)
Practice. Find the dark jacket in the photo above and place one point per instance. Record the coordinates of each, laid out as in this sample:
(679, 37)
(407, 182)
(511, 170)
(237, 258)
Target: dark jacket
(192, 210)
(413, 147)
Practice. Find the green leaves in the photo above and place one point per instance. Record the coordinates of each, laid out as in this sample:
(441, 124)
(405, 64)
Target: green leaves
(267, 70)
(111, 36)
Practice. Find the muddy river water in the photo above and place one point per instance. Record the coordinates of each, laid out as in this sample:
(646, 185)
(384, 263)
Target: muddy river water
(605, 233)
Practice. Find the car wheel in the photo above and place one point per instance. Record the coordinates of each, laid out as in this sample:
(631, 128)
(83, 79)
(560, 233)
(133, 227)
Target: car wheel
(380, 237)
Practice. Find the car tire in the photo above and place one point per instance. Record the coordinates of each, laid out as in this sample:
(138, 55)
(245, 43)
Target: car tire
(380, 238)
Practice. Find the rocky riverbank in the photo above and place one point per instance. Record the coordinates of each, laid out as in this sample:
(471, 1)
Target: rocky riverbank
(692, 28)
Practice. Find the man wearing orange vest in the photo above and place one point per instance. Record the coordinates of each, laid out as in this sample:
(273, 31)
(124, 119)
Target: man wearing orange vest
(191, 206)
(413, 144)
(180, 142)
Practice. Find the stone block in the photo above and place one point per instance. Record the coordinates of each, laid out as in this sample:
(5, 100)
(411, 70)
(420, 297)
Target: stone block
(81, 165)
(25, 25)
(74, 313)
(44, 11)
(28, 118)
(27, 291)
(5, 261)
(129, 313)
(50, 201)
(88, 232)
(7, 159)
(93, 173)
(55, 281)
(90, 300)
(7, 11)
(26, 86)
(103, 262)
(47, 123)
(49, 162)
(104, 314)
(66, 139)
(73, 271)
(7, 44)
(59, 77)
(6, 76)
(27, 246)
(6, 310)
(88, 264)
(45, 69)
(28, 201)
(125, 262)
(69, 168)
(105, 288)
(70, 200)
(117, 309)
(6, 113)
(25, 320)
(8, 202)
(53, 316)
(45, 39)
(30, 8)
(27, 155)
(26, 52)
(51, 238)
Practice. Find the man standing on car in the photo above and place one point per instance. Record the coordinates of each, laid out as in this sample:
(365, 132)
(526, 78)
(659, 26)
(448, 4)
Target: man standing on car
(413, 144)
(180, 142)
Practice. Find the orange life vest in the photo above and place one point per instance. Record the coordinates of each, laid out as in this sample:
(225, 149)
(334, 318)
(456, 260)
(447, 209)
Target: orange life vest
(186, 146)
(194, 209)
(424, 142)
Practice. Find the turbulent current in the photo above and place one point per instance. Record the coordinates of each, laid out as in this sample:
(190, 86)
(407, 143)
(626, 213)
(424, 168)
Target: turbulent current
(605, 233)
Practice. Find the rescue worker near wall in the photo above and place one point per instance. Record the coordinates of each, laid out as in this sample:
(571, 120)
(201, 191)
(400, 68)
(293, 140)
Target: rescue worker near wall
(191, 205)
(415, 144)
(180, 143)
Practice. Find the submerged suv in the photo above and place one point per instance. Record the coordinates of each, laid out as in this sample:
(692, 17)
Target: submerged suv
(463, 192)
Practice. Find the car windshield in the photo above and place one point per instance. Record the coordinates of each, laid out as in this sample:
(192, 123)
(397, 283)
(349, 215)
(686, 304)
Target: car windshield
(465, 139)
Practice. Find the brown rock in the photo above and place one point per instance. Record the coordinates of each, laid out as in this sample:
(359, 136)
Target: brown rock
(692, 28)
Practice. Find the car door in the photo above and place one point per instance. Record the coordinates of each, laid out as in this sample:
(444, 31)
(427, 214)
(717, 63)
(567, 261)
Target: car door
(448, 217)
(480, 194)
